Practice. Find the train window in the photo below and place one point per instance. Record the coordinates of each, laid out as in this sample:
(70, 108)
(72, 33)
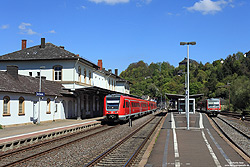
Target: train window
(124, 104)
(113, 102)
(127, 104)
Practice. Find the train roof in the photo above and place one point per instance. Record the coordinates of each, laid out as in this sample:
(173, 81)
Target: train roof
(133, 96)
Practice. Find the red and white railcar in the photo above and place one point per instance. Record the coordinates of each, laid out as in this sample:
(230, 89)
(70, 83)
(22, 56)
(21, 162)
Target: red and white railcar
(119, 107)
(211, 106)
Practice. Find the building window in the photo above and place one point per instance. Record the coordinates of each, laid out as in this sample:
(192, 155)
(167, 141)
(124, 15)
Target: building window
(85, 75)
(48, 106)
(79, 73)
(90, 77)
(21, 106)
(109, 83)
(30, 74)
(57, 73)
(38, 74)
(6, 106)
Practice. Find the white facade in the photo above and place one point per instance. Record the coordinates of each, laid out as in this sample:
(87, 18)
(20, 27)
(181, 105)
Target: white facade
(49, 111)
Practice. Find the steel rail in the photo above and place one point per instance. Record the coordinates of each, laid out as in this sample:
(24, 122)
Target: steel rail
(105, 153)
(239, 131)
(51, 149)
(223, 132)
(131, 159)
(32, 146)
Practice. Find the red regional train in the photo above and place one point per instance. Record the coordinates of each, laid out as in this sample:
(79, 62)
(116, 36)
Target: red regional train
(119, 107)
(211, 106)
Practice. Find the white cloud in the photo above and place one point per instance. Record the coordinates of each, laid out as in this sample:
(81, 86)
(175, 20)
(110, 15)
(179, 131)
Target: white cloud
(142, 2)
(52, 32)
(6, 26)
(25, 30)
(83, 7)
(110, 2)
(209, 6)
(147, 1)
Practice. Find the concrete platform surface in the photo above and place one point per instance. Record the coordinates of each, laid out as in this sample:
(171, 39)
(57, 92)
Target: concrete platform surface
(199, 146)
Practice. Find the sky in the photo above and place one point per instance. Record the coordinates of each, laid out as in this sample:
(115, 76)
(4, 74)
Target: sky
(121, 32)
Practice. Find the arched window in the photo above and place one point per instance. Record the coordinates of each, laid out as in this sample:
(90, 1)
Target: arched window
(48, 106)
(21, 106)
(57, 73)
(85, 75)
(6, 106)
(79, 73)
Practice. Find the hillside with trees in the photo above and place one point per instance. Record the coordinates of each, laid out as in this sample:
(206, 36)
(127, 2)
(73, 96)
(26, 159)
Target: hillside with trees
(214, 80)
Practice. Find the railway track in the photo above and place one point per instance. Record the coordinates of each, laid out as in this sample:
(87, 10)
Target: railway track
(15, 157)
(235, 115)
(239, 138)
(125, 151)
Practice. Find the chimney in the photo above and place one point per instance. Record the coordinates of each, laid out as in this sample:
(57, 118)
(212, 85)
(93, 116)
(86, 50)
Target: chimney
(62, 47)
(77, 55)
(116, 72)
(110, 70)
(42, 42)
(100, 64)
(24, 41)
(13, 71)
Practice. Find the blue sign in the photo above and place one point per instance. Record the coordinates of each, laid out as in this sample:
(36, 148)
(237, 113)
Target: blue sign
(40, 94)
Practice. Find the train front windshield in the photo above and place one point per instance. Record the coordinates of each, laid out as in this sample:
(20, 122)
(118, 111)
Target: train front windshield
(213, 104)
(113, 102)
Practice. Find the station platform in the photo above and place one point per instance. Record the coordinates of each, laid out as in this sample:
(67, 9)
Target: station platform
(21, 134)
(199, 146)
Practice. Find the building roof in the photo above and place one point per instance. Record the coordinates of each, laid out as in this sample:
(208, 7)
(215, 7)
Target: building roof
(184, 62)
(178, 96)
(29, 85)
(49, 52)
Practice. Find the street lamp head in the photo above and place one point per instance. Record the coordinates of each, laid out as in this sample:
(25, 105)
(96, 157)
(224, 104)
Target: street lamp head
(187, 43)
(191, 43)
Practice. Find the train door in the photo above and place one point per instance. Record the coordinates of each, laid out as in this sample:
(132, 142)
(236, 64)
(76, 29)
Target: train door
(126, 107)
(140, 108)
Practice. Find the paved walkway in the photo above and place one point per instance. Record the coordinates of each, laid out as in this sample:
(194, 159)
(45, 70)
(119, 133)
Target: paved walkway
(199, 146)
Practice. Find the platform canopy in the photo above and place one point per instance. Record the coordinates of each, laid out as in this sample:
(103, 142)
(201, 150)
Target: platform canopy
(102, 91)
(178, 96)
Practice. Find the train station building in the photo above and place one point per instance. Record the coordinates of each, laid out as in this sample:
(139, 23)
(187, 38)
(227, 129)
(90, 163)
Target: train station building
(86, 83)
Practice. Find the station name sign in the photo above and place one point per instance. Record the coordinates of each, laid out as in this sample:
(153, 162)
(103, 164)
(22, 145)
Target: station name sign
(40, 94)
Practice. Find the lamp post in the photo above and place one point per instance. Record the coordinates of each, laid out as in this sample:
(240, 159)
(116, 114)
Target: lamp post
(187, 108)
(40, 89)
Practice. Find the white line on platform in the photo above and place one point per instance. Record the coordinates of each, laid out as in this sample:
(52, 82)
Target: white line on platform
(211, 150)
(219, 148)
(44, 130)
(201, 122)
(176, 152)
(173, 122)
